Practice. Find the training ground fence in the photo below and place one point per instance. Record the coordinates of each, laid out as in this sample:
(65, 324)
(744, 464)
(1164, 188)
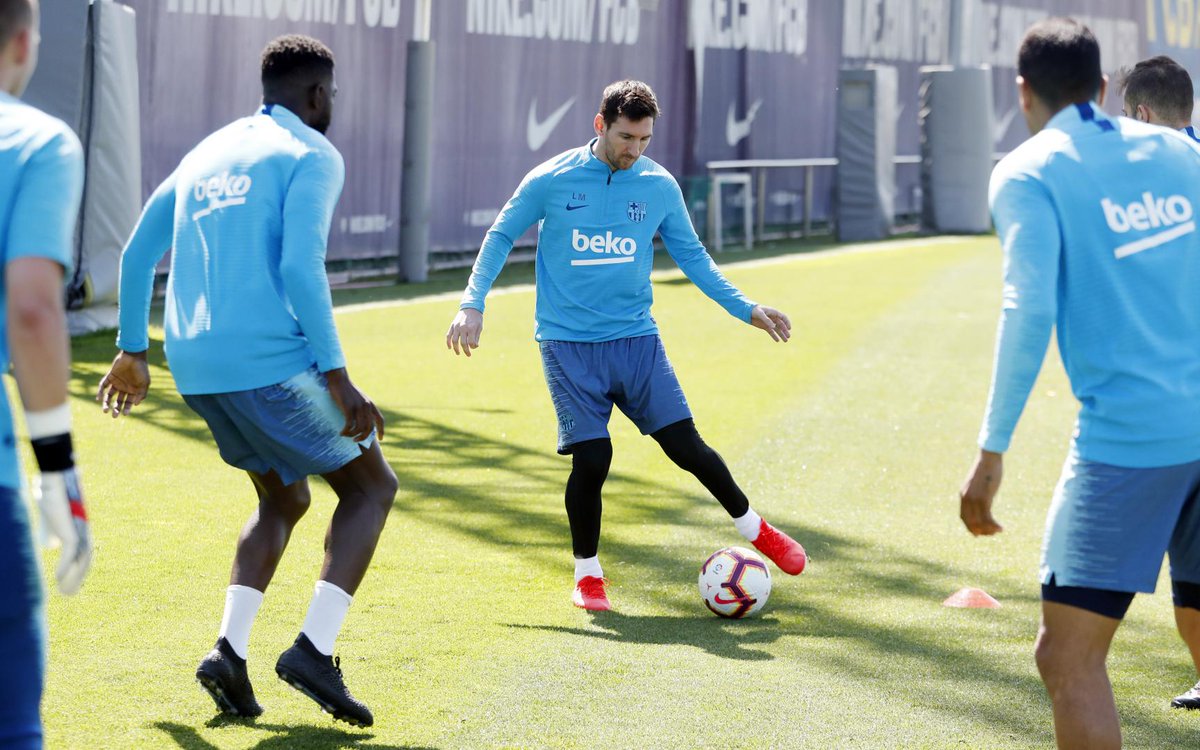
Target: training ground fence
(510, 83)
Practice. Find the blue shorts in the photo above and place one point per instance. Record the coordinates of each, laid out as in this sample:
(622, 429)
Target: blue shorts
(1109, 526)
(292, 428)
(22, 628)
(587, 379)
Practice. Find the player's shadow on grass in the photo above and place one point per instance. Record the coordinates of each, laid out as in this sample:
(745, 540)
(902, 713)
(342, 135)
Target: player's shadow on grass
(728, 639)
(283, 738)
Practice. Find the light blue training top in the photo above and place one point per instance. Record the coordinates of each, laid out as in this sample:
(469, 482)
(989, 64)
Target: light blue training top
(595, 247)
(247, 213)
(1097, 218)
(41, 183)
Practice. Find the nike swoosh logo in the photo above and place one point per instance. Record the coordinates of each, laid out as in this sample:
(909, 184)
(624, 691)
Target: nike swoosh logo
(537, 132)
(720, 600)
(1001, 127)
(737, 130)
(576, 208)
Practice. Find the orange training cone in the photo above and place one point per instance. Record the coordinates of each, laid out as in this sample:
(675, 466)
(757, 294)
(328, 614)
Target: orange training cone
(971, 598)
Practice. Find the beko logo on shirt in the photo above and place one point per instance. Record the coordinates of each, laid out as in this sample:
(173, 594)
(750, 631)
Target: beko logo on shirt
(1172, 214)
(220, 191)
(623, 248)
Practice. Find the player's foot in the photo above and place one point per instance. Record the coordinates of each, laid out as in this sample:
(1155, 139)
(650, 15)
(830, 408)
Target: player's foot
(320, 677)
(781, 549)
(223, 674)
(1190, 699)
(589, 594)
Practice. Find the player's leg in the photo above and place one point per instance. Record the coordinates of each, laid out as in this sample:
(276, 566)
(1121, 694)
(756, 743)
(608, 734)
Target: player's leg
(22, 629)
(1185, 585)
(260, 547)
(589, 468)
(1107, 532)
(576, 375)
(652, 397)
(297, 426)
(1071, 649)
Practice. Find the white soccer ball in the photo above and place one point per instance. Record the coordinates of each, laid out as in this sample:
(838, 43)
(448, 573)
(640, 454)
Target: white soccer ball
(734, 582)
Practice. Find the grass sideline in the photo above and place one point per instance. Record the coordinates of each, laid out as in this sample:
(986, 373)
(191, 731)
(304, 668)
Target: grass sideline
(853, 437)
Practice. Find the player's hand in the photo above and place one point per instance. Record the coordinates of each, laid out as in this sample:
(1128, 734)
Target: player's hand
(465, 331)
(60, 499)
(126, 384)
(772, 321)
(977, 493)
(362, 415)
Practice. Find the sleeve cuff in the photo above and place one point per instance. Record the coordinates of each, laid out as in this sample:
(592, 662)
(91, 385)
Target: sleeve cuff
(994, 443)
(132, 345)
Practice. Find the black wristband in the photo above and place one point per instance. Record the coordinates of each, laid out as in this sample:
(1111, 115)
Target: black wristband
(54, 453)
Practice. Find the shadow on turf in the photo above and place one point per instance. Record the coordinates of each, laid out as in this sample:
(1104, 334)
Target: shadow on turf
(284, 737)
(724, 638)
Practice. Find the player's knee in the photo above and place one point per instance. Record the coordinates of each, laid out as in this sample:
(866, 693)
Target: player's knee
(384, 493)
(590, 460)
(291, 504)
(1049, 655)
(1063, 660)
(684, 446)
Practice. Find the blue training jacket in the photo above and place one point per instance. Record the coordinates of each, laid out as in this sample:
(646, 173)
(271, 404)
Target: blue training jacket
(248, 214)
(41, 182)
(1097, 218)
(595, 248)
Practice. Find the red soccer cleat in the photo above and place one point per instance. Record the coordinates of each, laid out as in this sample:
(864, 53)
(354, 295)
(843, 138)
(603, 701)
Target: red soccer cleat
(589, 594)
(781, 549)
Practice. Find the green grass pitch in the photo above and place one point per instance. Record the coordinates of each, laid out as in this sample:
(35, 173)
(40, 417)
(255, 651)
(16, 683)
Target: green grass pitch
(854, 437)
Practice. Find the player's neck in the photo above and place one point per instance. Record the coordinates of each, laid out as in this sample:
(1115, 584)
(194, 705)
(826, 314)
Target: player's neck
(599, 154)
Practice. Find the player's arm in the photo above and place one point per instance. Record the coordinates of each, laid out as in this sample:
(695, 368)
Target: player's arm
(524, 208)
(128, 379)
(39, 250)
(308, 208)
(689, 254)
(1029, 233)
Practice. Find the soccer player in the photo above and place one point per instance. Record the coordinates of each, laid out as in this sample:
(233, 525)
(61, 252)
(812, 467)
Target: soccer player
(41, 180)
(251, 342)
(598, 208)
(1096, 217)
(1159, 91)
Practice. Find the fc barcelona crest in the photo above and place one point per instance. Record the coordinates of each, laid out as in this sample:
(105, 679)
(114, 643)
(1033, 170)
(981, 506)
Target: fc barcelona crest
(636, 212)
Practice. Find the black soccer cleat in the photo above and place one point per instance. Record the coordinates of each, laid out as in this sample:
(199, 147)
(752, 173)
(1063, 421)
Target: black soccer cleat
(1190, 699)
(223, 675)
(320, 677)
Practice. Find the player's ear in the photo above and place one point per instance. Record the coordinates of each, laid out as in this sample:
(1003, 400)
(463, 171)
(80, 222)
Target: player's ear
(1103, 90)
(598, 124)
(1024, 94)
(20, 45)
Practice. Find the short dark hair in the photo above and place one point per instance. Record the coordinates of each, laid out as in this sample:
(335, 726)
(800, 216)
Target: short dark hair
(1161, 84)
(14, 16)
(294, 59)
(1060, 60)
(633, 99)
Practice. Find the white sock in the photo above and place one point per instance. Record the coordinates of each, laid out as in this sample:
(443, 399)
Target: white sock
(748, 524)
(326, 612)
(587, 566)
(241, 607)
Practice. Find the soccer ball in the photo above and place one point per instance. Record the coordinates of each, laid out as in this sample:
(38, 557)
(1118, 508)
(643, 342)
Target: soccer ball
(734, 582)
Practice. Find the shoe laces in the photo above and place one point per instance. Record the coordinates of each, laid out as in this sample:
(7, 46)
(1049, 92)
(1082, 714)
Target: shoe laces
(337, 665)
(770, 541)
(592, 586)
